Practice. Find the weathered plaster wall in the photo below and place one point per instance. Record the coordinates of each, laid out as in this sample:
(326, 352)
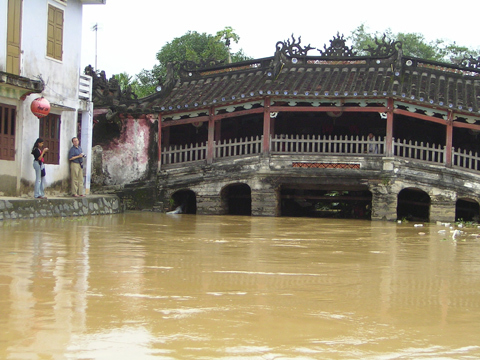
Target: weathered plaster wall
(127, 160)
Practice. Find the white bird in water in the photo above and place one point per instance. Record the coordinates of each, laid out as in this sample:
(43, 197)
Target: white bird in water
(456, 233)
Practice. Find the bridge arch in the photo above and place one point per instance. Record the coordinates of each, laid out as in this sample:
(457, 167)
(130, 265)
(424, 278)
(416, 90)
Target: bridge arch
(342, 200)
(413, 204)
(184, 200)
(467, 209)
(236, 199)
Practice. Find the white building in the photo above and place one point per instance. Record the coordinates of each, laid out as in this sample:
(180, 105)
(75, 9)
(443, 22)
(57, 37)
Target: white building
(40, 53)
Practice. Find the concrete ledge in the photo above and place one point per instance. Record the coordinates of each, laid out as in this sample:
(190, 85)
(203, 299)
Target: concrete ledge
(20, 208)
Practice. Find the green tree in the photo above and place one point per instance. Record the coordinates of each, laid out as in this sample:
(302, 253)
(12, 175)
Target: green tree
(145, 83)
(124, 80)
(197, 47)
(227, 35)
(414, 44)
(193, 46)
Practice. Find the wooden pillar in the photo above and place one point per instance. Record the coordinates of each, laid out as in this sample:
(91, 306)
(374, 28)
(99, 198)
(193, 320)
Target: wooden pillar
(389, 134)
(218, 130)
(449, 142)
(266, 126)
(159, 141)
(211, 136)
(272, 126)
(166, 137)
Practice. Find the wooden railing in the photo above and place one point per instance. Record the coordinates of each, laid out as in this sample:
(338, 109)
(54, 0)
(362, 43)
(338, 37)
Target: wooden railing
(328, 145)
(465, 160)
(179, 154)
(419, 151)
(238, 147)
(321, 145)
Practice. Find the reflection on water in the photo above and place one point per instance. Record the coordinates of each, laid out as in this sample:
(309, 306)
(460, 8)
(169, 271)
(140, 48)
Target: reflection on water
(156, 286)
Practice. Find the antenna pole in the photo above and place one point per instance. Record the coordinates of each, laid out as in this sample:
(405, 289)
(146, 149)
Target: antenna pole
(95, 28)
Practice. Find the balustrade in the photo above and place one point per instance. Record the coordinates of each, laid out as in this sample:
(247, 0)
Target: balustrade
(238, 147)
(282, 144)
(465, 160)
(327, 145)
(419, 151)
(179, 154)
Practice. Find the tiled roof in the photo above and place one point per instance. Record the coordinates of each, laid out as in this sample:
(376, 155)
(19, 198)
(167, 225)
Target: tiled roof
(335, 74)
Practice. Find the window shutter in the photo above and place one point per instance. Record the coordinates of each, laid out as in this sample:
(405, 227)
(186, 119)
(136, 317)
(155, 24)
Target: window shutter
(55, 33)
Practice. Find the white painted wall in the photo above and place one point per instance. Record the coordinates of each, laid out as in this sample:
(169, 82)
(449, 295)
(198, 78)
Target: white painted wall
(61, 79)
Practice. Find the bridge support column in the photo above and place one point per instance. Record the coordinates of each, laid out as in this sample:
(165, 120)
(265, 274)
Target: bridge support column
(265, 202)
(442, 208)
(384, 203)
(210, 205)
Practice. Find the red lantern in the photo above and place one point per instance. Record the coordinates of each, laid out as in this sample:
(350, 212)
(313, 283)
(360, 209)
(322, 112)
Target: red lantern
(40, 107)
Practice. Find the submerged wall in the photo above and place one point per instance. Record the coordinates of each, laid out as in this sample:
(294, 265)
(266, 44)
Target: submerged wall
(18, 208)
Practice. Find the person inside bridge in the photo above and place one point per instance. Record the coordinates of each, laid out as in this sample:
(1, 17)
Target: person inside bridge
(371, 146)
(75, 156)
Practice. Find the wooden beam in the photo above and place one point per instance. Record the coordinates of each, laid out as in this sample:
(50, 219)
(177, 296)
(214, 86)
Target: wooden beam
(389, 130)
(211, 136)
(328, 108)
(238, 113)
(449, 140)
(159, 141)
(466, 126)
(420, 116)
(266, 126)
(185, 121)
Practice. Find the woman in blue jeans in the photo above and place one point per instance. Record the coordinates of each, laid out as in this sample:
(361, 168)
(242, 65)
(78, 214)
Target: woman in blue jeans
(38, 152)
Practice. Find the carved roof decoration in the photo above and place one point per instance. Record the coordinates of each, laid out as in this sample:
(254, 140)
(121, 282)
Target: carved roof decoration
(293, 49)
(337, 48)
(384, 48)
(107, 93)
(471, 62)
(336, 74)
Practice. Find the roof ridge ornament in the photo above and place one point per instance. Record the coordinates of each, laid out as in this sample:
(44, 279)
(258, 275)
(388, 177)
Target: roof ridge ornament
(108, 92)
(384, 48)
(293, 49)
(471, 62)
(338, 48)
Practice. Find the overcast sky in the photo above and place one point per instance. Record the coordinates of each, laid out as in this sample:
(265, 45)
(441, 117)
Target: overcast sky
(130, 33)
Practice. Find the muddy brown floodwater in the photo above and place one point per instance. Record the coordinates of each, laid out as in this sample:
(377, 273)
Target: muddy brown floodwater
(155, 286)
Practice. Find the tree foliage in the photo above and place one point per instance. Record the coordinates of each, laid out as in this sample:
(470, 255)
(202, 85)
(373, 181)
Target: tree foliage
(414, 44)
(192, 46)
(198, 47)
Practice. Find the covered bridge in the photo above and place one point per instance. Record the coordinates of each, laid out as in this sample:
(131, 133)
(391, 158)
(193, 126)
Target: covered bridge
(382, 136)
